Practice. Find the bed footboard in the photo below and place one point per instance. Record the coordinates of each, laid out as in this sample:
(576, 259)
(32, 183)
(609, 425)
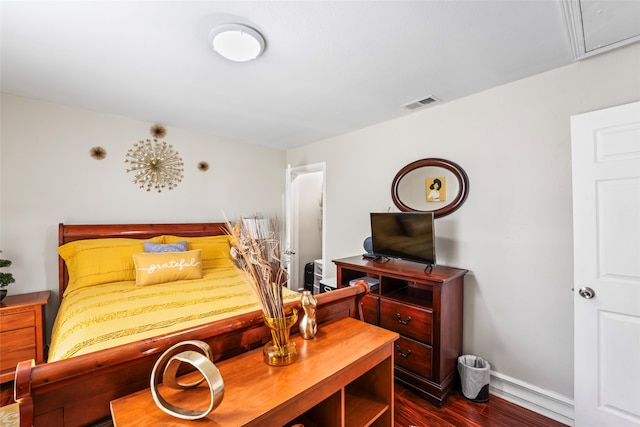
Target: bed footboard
(77, 391)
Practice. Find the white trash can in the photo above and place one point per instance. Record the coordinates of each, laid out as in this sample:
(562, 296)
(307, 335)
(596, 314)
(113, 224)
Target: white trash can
(474, 377)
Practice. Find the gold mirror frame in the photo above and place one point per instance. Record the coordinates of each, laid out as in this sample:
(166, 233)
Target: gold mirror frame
(442, 208)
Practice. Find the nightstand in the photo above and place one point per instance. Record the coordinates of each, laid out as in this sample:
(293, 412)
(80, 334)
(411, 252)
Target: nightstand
(21, 331)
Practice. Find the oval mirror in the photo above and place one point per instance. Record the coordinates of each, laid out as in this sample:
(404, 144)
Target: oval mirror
(430, 185)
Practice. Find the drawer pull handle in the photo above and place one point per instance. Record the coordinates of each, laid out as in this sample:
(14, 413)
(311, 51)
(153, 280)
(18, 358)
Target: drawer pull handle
(405, 355)
(404, 322)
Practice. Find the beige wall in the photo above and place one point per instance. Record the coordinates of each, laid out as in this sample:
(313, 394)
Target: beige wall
(48, 177)
(514, 233)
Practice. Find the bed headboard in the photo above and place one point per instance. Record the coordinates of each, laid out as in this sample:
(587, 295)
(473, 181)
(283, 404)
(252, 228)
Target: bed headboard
(70, 232)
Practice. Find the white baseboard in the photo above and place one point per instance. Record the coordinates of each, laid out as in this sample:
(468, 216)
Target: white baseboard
(552, 405)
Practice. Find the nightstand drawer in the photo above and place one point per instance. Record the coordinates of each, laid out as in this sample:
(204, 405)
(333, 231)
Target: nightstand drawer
(17, 346)
(11, 322)
(406, 320)
(413, 356)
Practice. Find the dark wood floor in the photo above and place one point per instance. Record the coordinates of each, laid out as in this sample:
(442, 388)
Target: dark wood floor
(412, 410)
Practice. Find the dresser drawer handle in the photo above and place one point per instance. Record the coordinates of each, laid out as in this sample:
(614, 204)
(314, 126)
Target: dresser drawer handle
(404, 322)
(405, 355)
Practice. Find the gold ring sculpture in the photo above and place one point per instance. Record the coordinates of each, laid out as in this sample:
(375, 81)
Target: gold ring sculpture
(167, 366)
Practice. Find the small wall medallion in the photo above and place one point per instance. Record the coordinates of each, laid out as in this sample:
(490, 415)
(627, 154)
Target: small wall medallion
(98, 153)
(158, 131)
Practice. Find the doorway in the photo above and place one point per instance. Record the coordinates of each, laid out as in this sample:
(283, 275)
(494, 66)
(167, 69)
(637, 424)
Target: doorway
(304, 220)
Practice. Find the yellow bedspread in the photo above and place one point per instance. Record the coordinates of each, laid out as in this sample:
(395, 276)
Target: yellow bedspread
(104, 316)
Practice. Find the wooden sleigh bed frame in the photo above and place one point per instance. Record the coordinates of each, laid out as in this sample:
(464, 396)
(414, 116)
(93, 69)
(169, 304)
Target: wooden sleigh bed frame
(77, 391)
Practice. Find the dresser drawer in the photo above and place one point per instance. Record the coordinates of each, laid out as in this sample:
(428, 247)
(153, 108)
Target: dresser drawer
(371, 309)
(414, 356)
(407, 320)
(17, 346)
(13, 321)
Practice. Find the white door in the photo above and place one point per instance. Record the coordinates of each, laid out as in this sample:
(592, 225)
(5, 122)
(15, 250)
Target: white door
(300, 219)
(606, 211)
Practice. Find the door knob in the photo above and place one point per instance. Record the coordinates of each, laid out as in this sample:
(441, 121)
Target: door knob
(587, 293)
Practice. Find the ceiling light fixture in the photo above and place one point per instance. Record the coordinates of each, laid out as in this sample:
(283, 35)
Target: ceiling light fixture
(237, 42)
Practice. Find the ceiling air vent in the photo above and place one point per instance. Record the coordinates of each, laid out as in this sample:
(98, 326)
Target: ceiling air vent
(421, 103)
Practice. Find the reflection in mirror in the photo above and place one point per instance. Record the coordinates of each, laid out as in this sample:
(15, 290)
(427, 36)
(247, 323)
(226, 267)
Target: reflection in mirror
(430, 185)
(409, 188)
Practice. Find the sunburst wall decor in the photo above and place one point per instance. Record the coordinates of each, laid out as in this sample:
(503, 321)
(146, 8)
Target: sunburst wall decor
(156, 164)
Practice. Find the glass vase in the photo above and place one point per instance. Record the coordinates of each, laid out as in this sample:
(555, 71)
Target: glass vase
(280, 351)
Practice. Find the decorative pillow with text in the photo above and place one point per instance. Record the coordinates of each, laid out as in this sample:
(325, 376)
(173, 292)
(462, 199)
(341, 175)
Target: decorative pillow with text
(154, 268)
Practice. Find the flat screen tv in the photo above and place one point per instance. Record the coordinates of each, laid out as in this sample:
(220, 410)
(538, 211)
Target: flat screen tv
(405, 235)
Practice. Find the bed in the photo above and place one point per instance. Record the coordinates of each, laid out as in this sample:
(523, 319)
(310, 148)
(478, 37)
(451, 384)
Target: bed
(83, 375)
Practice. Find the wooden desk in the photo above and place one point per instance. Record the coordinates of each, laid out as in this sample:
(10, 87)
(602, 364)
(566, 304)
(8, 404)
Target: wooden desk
(343, 377)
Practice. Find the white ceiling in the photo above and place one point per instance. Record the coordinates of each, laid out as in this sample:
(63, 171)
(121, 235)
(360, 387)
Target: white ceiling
(330, 67)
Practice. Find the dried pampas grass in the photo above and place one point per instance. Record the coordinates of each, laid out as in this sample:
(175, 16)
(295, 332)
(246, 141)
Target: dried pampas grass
(256, 248)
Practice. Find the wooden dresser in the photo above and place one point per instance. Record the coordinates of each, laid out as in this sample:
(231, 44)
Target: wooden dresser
(425, 308)
(342, 377)
(21, 331)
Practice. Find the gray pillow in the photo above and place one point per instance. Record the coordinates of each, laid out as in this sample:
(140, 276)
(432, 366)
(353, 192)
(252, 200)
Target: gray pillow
(165, 247)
